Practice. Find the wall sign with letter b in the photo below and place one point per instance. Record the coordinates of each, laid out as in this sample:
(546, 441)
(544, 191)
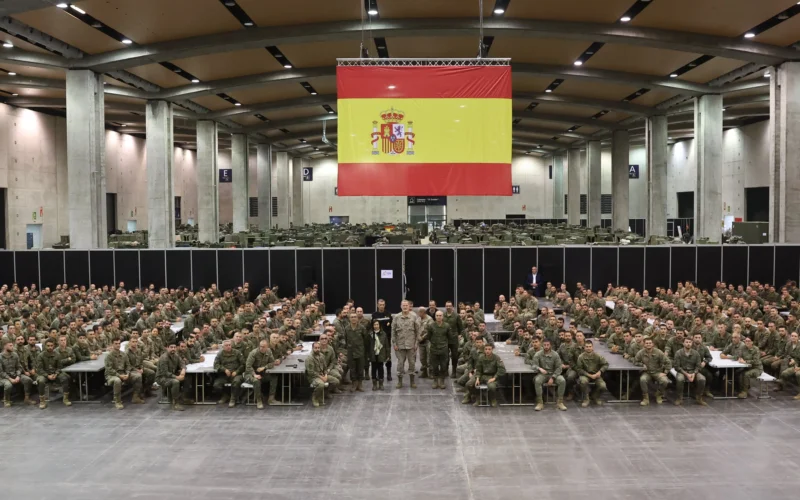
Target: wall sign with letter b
(633, 171)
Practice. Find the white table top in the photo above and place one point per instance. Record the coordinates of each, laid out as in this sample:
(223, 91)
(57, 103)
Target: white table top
(611, 304)
(718, 362)
(205, 366)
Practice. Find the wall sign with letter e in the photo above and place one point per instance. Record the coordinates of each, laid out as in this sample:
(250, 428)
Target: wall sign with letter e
(387, 274)
(633, 171)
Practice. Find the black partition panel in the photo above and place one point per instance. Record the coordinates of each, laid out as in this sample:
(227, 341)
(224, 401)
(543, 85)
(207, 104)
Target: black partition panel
(204, 268)
(335, 277)
(578, 268)
(309, 268)
(787, 264)
(126, 269)
(362, 278)
(281, 269)
(443, 275)
(551, 265)
(76, 265)
(709, 266)
(417, 275)
(734, 264)
(496, 275)
(683, 262)
(179, 268)
(656, 268)
(256, 270)
(761, 260)
(469, 275)
(604, 267)
(153, 268)
(390, 289)
(522, 260)
(7, 268)
(27, 266)
(631, 267)
(101, 269)
(51, 268)
(230, 266)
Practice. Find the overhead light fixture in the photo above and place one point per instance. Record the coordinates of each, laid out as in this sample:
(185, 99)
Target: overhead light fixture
(499, 11)
(11, 73)
(548, 90)
(62, 5)
(372, 12)
(237, 104)
(330, 112)
(195, 80)
(673, 75)
(749, 35)
(8, 45)
(15, 94)
(287, 66)
(625, 19)
(766, 75)
(313, 93)
(123, 125)
(127, 41)
(77, 9)
(229, 3)
(578, 63)
(248, 23)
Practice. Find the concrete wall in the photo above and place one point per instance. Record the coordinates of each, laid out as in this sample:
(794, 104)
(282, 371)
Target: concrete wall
(745, 157)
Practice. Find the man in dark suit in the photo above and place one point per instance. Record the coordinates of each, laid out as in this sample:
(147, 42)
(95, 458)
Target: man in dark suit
(535, 283)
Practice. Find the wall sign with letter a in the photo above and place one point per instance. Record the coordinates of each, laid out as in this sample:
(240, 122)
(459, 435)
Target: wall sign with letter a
(633, 171)
(308, 173)
(225, 175)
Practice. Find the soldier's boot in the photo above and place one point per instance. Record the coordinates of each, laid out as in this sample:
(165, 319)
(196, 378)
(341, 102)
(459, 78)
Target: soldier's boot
(412, 384)
(460, 389)
(224, 399)
(271, 400)
(259, 400)
(44, 399)
(424, 373)
(176, 406)
(118, 403)
(353, 386)
(232, 402)
(797, 397)
(701, 401)
(560, 404)
(539, 405)
(645, 400)
(778, 385)
(585, 402)
(6, 399)
(598, 401)
(678, 401)
(435, 383)
(742, 395)
(28, 400)
(441, 383)
(570, 396)
(494, 403)
(65, 400)
(708, 393)
(315, 400)
(659, 398)
(360, 386)
(399, 382)
(467, 398)
(336, 390)
(137, 399)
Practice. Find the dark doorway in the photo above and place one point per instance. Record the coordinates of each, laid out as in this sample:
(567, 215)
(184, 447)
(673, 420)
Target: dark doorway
(3, 218)
(686, 205)
(111, 212)
(177, 210)
(757, 202)
(515, 216)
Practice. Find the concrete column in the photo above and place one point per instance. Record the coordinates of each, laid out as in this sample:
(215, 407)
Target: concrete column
(574, 187)
(784, 154)
(594, 184)
(620, 157)
(239, 171)
(86, 173)
(264, 167)
(207, 182)
(297, 191)
(558, 187)
(160, 187)
(656, 144)
(708, 194)
(282, 168)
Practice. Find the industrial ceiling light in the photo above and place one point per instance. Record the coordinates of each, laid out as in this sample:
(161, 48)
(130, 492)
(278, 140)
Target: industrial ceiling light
(749, 35)
(11, 73)
(237, 104)
(77, 9)
(578, 63)
(673, 75)
(62, 5)
(230, 3)
(313, 93)
(372, 12)
(625, 19)
(195, 80)
(766, 75)
(8, 45)
(287, 66)
(330, 112)
(548, 90)
(499, 11)
(248, 23)
(127, 41)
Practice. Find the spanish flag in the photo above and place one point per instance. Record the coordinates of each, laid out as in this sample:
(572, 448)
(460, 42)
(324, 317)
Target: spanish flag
(424, 130)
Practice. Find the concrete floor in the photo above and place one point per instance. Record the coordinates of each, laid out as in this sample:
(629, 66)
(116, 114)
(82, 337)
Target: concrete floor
(402, 444)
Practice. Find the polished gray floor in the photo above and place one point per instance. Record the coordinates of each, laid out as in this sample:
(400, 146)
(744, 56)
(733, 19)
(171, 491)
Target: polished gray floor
(402, 444)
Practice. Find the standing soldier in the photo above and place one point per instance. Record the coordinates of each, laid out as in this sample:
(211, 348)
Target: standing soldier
(229, 366)
(48, 369)
(438, 334)
(424, 341)
(119, 371)
(488, 369)
(385, 319)
(452, 318)
(357, 341)
(405, 332)
(656, 365)
(171, 372)
(11, 374)
(377, 353)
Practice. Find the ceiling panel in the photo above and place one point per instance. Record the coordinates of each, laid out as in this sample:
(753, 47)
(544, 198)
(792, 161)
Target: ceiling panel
(527, 83)
(712, 69)
(57, 23)
(246, 120)
(276, 13)
(150, 21)
(654, 97)
(595, 89)
(119, 98)
(538, 50)
(288, 114)
(159, 75)
(212, 102)
(614, 116)
(457, 46)
(55, 74)
(22, 44)
(428, 8)
(643, 60)
(324, 84)
(269, 93)
(598, 11)
(557, 125)
(52, 93)
(784, 34)
(564, 109)
(712, 17)
(230, 64)
(309, 55)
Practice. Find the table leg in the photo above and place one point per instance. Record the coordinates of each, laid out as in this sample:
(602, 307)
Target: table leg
(286, 388)
(83, 393)
(516, 391)
(627, 399)
(200, 390)
(730, 377)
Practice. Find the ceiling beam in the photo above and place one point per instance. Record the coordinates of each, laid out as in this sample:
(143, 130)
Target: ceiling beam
(274, 139)
(586, 102)
(550, 131)
(729, 47)
(266, 107)
(278, 124)
(573, 120)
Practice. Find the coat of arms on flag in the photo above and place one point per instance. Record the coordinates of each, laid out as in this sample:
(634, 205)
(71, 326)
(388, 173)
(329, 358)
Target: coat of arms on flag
(393, 135)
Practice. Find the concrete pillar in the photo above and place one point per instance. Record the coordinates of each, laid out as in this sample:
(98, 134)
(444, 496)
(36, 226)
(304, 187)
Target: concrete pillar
(574, 187)
(282, 168)
(207, 182)
(784, 153)
(708, 194)
(656, 144)
(264, 167)
(620, 204)
(558, 187)
(594, 184)
(297, 191)
(160, 187)
(86, 173)
(239, 172)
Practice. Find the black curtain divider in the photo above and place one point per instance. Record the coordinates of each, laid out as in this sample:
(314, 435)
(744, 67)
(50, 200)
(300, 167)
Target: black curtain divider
(101, 269)
(761, 262)
(497, 275)
(418, 278)
(309, 268)
(126, 269)
(683, 261)
(153, 270)
(709, 266)
(76, 264)
(51, 268)
(579, 269)
(362, 278)
(734, 264)
(179, 268)
(390, 289)
(335, 277)
(7, 268)
(282, 269)
(522, 260)
(656, 268)
(256, 270)
(204, 268)
(27, 266)
(230, 268)
(551, 265)
(631, 266)
(443, 275)
(470, 275)
(604, 267)
(787, 264)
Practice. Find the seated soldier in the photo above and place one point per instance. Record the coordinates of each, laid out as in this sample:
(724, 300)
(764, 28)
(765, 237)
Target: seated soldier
(48, 369)
(547, 366)
(11, 374)
(751, 356)
(488, 369)
(229, 366)
(258, 362)
(791, 354)
(171, 372)
(136, 359)
(590, 368)
(656, 365)
(317, 374)
(119, 371)
(688, 363)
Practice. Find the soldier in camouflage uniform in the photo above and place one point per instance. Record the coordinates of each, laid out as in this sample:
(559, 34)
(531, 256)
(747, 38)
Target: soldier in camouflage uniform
(467, 378)
(656, 365)
(405, 334)
(11, 374)
(317, 375)
(357, 342)
(752, 356)
(590, 367)
(119, 371)
(48, 369)
(229, 366)
(438, 334)
(791, 356)
(547, 366)
(688, 363)
(424, 342)
(171, 372)
(258, 362)
(488, 369)
(136, 360)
